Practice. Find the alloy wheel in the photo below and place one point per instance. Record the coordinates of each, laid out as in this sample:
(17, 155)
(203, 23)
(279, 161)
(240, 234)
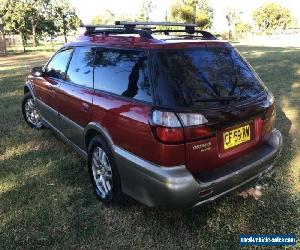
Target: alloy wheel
(102, 172)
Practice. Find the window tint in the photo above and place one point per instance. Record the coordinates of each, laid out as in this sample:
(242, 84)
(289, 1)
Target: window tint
(203, 77)
(80, 69)
(58, 64)
(123, 72)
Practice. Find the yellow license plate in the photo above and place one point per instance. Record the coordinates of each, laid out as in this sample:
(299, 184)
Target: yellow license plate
(236, 136)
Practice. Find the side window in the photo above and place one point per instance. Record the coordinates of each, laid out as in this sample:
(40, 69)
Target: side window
(80, 69)
(58, 64)
(122, 72)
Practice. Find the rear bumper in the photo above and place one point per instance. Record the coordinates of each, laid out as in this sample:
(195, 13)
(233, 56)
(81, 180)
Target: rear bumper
(176, 187)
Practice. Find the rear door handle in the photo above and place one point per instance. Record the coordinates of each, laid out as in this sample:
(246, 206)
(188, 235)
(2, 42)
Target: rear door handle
(85, 107)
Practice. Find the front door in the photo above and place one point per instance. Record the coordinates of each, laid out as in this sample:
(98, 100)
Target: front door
(47, 86)
(75, 95)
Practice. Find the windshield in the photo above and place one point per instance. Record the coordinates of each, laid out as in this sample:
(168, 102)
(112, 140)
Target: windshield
(206, 77)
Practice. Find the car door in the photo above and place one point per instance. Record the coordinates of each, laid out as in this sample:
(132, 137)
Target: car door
(75, 95)
(47, 85)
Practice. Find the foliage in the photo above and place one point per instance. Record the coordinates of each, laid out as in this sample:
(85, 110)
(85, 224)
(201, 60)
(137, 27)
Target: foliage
(271, 16)
(193, 11)
(65, 17)
(106, 17)
(232, 16)
(146, 8)
(35, 17)
(242, 27)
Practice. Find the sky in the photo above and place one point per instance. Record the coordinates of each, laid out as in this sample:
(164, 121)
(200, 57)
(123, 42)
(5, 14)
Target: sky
(87, 9)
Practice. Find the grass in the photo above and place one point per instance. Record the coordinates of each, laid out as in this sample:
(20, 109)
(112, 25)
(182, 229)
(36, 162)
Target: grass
(43, 47)
(46, 199)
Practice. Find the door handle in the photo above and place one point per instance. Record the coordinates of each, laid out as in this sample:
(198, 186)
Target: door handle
(51, 90)
(85, 107)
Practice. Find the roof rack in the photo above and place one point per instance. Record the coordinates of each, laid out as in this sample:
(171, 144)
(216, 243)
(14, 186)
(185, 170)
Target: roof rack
(116, 29)
(146, 29)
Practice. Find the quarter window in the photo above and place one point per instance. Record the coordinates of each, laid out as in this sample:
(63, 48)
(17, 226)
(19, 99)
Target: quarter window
(57, 66)
(80, 70)
(122, 72)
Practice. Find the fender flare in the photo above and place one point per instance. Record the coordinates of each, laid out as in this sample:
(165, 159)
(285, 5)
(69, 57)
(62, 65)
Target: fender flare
(29, 86)
(94, 126)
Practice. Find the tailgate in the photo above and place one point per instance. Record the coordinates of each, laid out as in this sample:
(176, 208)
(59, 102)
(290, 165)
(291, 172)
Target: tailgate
(227, 143)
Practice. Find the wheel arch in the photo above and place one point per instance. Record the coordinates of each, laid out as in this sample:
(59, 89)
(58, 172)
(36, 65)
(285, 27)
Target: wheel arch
(94, 129)
(28, 88)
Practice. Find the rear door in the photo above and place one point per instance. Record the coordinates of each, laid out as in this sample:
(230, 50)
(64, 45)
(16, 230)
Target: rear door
(75, 95)
(47, 85)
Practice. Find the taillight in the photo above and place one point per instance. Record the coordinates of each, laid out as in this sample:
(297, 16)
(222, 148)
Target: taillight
(195, 126)
(269, 120)
(169, 127)
(171, 135)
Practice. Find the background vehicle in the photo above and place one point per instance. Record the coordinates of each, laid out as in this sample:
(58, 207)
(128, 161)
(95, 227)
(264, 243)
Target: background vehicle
(174, 121)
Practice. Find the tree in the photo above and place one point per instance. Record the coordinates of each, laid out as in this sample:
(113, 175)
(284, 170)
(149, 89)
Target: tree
(146, 8)
(233, 17)
(106, 17)
(14, 15)
(242, 27)
(35, 17)
(66, 17)
(97, 20)
(271, 16)
(193, 11)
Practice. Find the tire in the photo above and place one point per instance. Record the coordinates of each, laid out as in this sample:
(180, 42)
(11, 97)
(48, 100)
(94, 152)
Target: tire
(103, 172)
(30, 112)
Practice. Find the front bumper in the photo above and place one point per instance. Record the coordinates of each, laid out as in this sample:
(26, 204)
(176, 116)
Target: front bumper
(154, 185)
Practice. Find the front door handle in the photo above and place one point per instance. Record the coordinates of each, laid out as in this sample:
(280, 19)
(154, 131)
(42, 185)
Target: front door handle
(52, 91)
(85, 107)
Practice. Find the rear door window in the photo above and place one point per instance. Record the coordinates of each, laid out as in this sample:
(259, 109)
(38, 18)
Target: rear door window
(56, 68)
(122, 72)
(80, 70)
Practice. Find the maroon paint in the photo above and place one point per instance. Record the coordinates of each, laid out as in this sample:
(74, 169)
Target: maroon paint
(128, 124)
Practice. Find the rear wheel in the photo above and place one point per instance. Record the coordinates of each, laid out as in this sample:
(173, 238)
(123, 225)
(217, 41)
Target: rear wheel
(30, 112)
(103, 172)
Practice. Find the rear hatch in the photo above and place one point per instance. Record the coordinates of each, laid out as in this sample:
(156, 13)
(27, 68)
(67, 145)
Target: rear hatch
(219, 86)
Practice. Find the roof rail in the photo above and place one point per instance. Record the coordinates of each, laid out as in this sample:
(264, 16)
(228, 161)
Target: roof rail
(190, 28)
(145, 29)
(156, 24)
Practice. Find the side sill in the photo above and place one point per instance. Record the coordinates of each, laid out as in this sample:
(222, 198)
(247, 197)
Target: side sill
(81, 152)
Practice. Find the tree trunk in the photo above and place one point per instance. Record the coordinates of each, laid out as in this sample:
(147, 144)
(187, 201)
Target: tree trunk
(65, 35)
(64, 28)
(34, 34)
(23, 42)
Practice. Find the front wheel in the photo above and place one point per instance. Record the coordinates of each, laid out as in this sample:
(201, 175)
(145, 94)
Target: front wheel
(30, 112)
(103, 172)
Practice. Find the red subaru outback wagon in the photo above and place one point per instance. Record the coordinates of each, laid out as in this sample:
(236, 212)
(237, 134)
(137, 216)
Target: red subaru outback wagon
(173, 119)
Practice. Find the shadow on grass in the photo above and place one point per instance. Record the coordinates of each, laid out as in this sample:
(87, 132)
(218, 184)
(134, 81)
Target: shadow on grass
(49, 202)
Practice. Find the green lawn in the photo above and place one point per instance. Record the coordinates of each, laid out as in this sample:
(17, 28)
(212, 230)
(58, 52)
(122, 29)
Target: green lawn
(46, 199)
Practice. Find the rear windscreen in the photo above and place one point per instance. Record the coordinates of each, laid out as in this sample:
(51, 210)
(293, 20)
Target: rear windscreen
(203, 77)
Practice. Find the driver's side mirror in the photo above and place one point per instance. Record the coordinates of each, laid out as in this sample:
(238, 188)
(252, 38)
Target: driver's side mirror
(37, 71)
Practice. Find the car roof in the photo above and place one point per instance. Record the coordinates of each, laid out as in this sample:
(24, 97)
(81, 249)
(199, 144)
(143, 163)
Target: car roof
(144, 35)
(133, 41)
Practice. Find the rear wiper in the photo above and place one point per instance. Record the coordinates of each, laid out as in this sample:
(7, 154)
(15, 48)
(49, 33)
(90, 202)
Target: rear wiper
(224, 98)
